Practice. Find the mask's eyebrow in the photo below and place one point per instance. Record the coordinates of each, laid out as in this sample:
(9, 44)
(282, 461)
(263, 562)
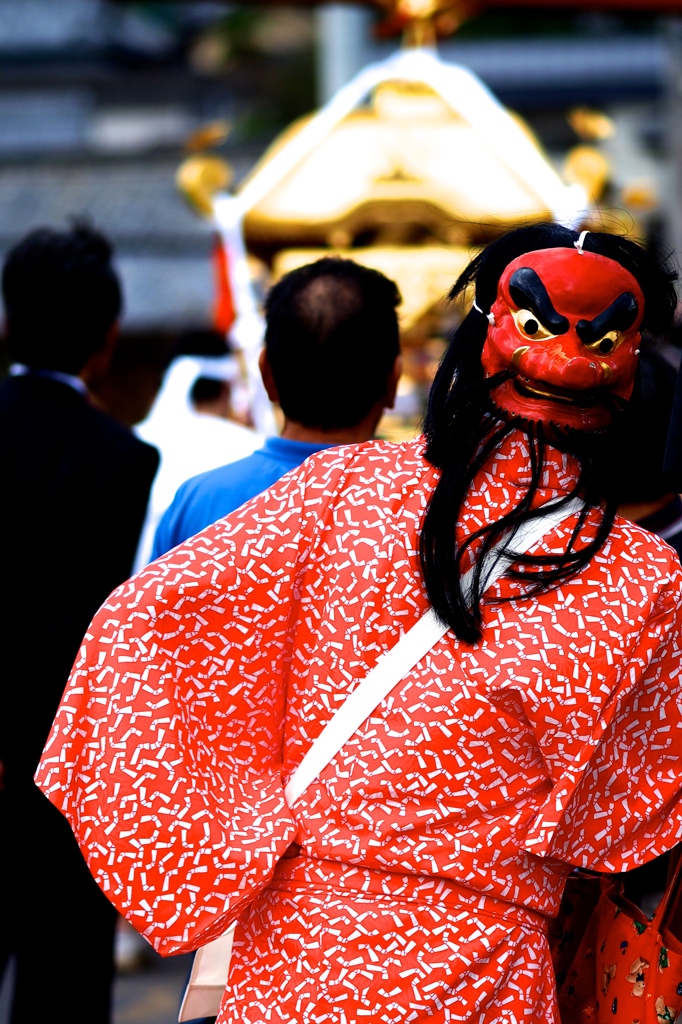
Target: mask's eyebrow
(528, 292)
(620, 315)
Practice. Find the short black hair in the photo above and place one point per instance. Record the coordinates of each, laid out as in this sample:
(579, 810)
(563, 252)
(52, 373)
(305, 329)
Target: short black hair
(206, 389)
(62, 296)
(332, 337)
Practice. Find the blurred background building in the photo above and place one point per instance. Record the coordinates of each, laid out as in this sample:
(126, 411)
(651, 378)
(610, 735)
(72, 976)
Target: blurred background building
(98, 99)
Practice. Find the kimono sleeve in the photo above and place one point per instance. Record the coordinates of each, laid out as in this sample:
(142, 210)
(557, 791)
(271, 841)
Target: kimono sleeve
(165, 755)
(620, 804)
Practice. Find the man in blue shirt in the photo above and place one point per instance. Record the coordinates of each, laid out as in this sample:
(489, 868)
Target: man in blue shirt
(331, 361)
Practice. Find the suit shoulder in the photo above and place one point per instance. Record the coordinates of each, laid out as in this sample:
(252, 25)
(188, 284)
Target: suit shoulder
(121, 438)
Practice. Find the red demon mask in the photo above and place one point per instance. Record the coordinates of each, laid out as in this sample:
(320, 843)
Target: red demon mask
(567, 323)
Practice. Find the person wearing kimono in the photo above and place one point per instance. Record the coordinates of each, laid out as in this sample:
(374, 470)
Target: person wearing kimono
(415, 877)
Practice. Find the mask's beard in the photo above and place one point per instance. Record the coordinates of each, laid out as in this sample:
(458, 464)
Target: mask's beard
(558, 434)
(472, 400)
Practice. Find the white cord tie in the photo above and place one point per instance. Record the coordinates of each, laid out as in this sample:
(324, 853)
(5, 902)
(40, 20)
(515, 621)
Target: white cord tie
(490, 317)
(581, 242)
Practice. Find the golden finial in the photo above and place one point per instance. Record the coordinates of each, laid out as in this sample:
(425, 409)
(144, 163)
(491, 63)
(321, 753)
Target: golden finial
(208, 136)
(423, 20)
(201, 176)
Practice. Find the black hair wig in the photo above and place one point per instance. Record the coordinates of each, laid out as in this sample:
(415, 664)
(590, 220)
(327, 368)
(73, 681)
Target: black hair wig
(463, 430)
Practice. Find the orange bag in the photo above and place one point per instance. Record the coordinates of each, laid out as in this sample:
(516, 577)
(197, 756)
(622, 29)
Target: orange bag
(627, 969)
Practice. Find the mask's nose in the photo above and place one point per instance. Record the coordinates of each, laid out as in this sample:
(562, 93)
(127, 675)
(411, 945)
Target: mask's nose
(582, 372)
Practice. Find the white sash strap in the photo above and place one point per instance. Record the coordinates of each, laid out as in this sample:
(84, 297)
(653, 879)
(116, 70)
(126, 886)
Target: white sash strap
(408, 652)
(377, 684)
(212, 962)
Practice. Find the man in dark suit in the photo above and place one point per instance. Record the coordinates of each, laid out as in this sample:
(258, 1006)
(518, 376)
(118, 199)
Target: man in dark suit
(74, 488)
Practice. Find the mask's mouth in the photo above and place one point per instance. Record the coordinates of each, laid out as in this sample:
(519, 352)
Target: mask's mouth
(540, 389)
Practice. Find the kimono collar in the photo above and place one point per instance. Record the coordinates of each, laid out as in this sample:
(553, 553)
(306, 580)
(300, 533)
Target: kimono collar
(509, 470)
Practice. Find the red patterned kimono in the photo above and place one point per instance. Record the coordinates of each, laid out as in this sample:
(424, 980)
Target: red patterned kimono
(431, 851)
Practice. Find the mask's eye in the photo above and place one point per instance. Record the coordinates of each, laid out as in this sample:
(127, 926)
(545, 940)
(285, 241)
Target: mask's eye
(608, 344)
(529, 326)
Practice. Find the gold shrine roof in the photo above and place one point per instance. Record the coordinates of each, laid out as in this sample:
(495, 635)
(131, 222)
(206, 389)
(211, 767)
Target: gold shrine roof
(424, 274)
(406, 167)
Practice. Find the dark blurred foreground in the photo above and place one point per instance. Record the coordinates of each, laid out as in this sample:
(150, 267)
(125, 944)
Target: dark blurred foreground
(150, 995)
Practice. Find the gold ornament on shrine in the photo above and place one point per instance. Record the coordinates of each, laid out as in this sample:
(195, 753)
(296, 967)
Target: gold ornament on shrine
(409, 181)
